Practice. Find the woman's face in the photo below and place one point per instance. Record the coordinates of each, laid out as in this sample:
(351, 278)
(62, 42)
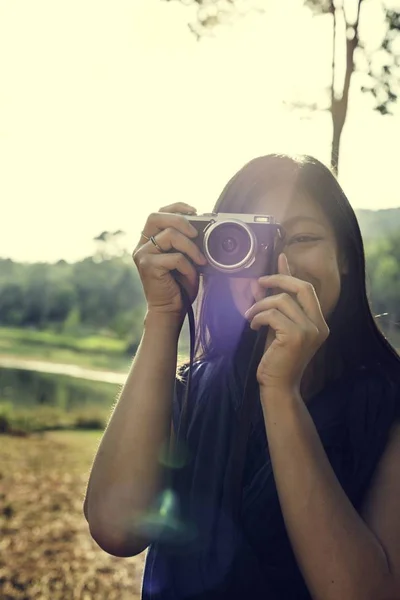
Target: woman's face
(309, 244)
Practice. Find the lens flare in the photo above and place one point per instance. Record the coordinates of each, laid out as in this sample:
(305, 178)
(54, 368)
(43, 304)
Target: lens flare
(163, 523)
(175, 458)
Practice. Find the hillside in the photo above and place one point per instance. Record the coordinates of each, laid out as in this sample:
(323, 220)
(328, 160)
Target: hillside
(378, 223)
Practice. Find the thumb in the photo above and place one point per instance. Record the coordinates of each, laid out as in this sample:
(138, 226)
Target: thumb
(257, 290)
(283, 265)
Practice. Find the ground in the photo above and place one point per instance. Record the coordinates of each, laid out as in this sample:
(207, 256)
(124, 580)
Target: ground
(46, 551)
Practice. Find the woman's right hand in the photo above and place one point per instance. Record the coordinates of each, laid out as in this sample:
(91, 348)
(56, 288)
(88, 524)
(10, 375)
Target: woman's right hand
(173, 233)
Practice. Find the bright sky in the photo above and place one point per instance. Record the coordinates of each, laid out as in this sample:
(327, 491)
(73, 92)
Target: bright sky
(110, 110)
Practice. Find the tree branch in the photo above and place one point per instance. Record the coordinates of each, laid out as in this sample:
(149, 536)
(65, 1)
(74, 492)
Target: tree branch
(333, 54)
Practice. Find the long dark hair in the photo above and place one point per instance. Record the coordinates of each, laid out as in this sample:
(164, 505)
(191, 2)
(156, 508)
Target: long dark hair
(355, 340)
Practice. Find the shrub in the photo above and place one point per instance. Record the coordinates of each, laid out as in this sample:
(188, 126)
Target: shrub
(5, 416)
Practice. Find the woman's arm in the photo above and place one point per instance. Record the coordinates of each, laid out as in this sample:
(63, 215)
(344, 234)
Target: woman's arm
(339, 556)
(126, 473)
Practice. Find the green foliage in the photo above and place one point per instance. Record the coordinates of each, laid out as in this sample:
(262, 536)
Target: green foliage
(89, 295)
(17, 420)
(320, 7)
(91, 418)
(6, 410)
(384, 67)
(211, 14)
(376, 224)
(383, 266)
(72, 321)
(81, 343)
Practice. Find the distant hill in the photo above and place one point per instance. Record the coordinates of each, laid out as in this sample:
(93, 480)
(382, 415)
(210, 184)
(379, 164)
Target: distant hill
(378, 223)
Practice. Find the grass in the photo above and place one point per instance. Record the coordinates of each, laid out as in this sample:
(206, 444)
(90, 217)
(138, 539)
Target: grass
(92, 351)
(46, 550)
(21, 420)
(50, 338)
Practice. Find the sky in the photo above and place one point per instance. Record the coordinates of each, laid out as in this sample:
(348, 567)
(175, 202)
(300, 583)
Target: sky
(110, 110)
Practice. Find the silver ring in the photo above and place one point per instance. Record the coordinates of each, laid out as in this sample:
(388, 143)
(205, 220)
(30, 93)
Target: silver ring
(152, 239)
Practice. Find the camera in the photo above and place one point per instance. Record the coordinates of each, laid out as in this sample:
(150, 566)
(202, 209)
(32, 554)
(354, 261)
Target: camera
(236, 244)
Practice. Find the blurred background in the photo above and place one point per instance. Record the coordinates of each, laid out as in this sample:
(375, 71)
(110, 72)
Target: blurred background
(108, 112)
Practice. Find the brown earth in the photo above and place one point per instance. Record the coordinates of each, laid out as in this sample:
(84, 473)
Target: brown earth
(46, 551)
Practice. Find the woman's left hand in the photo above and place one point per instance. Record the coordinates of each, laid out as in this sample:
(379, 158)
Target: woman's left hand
(296, 319)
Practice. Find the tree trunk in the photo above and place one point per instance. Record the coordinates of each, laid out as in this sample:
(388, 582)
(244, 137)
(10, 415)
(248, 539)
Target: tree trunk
(339, 105)
(338, 112)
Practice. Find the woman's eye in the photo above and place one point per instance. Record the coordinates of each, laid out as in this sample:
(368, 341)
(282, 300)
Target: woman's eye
(302, 238)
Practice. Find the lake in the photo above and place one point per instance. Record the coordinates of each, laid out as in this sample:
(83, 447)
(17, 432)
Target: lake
(64, 386)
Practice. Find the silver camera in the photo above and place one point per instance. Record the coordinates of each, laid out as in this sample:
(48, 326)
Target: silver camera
(236, 244)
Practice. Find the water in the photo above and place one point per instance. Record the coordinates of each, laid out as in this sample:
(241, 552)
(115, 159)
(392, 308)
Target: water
(29, 388)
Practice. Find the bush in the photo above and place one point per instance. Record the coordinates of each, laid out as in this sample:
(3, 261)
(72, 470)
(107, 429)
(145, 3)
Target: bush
(90, 417)
(90, 423)
(5, 416)
(47, 418)
(41, 418)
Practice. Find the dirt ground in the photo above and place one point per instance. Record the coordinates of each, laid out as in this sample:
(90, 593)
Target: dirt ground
(46, 551)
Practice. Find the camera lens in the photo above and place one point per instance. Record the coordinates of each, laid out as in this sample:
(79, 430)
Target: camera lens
(229, 244)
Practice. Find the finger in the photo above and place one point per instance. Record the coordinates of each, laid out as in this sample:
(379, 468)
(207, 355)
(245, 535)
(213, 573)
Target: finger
(172, 239)
(176, 261)
(280, 323)
(285, 304)
(179, 207)
(257, 291)
(304, 292)
(283, 264)
(283, 269)
(156, 222)
(158, 265)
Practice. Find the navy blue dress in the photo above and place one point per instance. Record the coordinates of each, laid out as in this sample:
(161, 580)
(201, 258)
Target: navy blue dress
(216, 560)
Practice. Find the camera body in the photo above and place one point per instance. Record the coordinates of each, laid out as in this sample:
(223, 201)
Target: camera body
(235, 244)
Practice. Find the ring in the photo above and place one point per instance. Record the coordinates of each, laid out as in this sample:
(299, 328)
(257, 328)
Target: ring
(152, 239)
(145, 236)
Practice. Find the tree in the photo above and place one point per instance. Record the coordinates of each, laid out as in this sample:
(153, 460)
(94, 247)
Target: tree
(383, 269)
(211, 13)
(381, 64)
(110, 244)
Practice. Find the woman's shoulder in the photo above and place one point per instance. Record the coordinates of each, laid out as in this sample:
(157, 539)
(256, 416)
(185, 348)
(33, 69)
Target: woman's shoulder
(203, 373)
(199, 370)
(378, 376)
(376, 394)
(361, 395)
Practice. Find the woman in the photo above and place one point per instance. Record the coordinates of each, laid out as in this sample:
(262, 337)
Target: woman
(321, 487)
